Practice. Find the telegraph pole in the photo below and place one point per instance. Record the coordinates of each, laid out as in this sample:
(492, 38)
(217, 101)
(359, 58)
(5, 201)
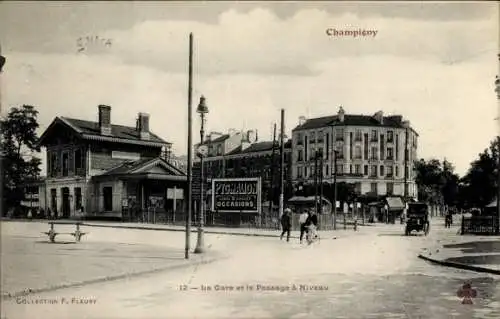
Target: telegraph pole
(273, 172)
(335, 190)
(497, 89)
(406, 165)
(189, 150)
(282, 162)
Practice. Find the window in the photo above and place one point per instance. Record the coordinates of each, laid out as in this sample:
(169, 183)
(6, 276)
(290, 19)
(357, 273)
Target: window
(219, 150)
(327, 146)
(374, 153)
(350, 169)
(313, 137)
(339, 134)
(78, 199)
(340, 169)
(78, 159)
(373, 188)
(350, 146)
(340, 152)
(320, 137)
(390, 136)
(390, 188)
(357, 169)
(390, 153)
(397, 147)
(300, 138)
(357, 136)
(366, 146)
(299, 172)
(381, 170)
(327, 170)
(65, 164)
(357, 187)
(390, 171)
(365, 170)
(53, 199)
(396, 168)
(54, 164)
(382, 147)
(107, 194)
(300, 155)
(357, 152)
(305, 172)
(374, 136)
(374, 170)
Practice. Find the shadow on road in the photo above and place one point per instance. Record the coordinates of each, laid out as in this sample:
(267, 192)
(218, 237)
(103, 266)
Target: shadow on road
(476, 260)
(402, 235)
(477, 247)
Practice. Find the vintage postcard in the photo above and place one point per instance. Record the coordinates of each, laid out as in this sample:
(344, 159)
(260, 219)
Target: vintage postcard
(249, 159)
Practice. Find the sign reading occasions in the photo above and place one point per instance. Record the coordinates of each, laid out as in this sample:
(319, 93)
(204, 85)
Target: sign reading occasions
(236, 195)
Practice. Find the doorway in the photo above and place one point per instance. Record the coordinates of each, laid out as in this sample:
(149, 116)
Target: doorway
(65, 202)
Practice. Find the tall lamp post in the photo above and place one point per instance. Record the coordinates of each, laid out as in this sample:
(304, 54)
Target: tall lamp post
(189, 151)
(201, 152)
(497, 90)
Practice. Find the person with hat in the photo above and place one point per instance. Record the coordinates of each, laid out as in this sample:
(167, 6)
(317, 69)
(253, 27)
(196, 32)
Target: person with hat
(286, 224)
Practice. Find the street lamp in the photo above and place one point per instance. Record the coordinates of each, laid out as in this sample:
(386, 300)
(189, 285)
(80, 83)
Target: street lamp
(201, 152)
(497, 90)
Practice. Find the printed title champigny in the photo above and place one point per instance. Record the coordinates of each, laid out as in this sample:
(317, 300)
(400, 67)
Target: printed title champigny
(236, 188)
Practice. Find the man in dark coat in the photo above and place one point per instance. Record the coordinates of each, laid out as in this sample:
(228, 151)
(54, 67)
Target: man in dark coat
(286, 224)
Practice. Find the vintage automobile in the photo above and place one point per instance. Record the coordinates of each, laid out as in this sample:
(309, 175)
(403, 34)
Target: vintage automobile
(417, 218)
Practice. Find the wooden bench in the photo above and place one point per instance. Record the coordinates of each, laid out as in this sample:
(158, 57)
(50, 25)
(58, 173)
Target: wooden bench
(77, 234)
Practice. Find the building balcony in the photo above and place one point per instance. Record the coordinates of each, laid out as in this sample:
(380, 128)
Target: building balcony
(339, 138)
(300, 142)
(373, 160)
(350, 175)
(389, 176)
(374, 140)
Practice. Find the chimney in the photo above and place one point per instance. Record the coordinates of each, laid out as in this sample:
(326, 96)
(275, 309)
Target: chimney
(341, 114)
(405, 124)
(379, 116)
(143, 126)
(105, 119)
(302, 120)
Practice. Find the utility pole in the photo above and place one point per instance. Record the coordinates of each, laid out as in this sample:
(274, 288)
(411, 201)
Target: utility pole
(273, 172)
(282, 162)
(189, 150)
(335, 190)
(316, 181)
(321, 162)
(406, 165)
(497, 90)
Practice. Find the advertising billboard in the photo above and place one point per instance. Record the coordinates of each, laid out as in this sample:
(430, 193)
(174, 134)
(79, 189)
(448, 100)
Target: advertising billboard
(236, 195)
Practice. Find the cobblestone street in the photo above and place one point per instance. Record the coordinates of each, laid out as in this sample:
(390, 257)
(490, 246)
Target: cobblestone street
(371, 274)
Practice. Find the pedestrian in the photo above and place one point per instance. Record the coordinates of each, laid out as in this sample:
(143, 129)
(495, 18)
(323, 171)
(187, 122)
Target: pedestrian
(311, 225)
(286, 224)
(302, 222)
(30, 214)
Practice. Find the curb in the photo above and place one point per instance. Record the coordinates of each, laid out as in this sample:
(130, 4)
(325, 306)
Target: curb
(28, 291)
(192, 231)
(460, 266)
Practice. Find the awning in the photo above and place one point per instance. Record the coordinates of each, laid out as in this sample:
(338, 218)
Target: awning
(492, 204)
(395, 203)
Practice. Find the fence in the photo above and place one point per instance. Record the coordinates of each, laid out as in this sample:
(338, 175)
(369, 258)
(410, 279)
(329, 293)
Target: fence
(265, 221)
(479, 225)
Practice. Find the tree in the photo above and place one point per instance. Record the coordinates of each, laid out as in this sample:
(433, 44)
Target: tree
(480, 185)
(19, 142)
(437, 182)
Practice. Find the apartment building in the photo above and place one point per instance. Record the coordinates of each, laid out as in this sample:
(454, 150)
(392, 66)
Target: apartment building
(375, 152)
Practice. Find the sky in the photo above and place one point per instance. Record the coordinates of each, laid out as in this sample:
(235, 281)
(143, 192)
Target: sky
(433, 63)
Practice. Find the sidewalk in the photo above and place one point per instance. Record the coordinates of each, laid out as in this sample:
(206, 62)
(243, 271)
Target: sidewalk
(469, 252)
(33, 265)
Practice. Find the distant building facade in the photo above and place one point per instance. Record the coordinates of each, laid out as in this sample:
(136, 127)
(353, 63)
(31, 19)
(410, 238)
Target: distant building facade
(102, 169)
(375, 152)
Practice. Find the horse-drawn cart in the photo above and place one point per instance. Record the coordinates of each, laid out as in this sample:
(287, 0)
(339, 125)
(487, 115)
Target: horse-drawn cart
(417, 218)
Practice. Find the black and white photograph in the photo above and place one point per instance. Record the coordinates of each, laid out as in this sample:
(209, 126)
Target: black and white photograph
(250, 159)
